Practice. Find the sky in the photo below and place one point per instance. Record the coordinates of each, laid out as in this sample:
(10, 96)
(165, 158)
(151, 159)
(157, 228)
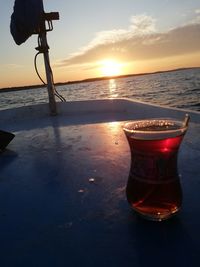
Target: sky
(104, 38)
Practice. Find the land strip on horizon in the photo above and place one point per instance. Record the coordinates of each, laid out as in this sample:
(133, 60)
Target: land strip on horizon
(26, 87)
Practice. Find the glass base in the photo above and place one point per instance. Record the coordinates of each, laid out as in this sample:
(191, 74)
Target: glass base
(156, 216)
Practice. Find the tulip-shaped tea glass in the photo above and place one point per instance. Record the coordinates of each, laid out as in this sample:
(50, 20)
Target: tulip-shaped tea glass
(153, 188)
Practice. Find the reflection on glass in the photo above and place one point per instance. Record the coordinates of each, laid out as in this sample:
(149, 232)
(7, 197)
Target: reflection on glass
(113, 88)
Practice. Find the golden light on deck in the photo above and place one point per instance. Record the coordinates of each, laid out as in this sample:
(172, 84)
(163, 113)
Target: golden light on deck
(110, 67)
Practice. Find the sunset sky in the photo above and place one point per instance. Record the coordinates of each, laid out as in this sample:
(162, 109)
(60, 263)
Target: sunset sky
(108, 37)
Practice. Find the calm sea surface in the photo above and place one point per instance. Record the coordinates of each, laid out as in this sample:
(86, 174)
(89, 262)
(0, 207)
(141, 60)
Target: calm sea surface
(179, 89)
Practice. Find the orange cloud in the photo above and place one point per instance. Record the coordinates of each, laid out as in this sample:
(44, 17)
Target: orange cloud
(141, 41)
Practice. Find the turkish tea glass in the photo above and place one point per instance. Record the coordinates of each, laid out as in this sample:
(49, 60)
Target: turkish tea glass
(153, 188)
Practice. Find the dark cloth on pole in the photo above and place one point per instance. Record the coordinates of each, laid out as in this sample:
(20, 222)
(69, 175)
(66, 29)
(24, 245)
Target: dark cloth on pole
(26, 19)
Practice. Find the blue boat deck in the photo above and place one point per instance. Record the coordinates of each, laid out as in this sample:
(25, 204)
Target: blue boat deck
(62, 195)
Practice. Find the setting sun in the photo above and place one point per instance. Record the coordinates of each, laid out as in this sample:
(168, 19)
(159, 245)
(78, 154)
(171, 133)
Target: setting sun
(110, 67)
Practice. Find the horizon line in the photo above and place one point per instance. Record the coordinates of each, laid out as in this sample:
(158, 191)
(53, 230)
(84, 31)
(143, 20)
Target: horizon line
(26, 87)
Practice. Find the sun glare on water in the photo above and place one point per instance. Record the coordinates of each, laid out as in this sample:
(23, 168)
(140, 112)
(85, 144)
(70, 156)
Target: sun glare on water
(110, 67)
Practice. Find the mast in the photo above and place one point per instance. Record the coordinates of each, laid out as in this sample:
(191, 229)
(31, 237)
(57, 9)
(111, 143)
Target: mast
(44, 48)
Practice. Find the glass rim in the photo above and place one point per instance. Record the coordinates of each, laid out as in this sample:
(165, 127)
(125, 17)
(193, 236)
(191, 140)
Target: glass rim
(180, 129)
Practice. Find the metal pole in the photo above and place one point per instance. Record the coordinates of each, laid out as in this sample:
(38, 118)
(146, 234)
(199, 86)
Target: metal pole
(49, 75)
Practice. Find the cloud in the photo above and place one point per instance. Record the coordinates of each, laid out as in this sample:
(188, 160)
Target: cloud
(142, 24)
(197, 18)
(141, 41)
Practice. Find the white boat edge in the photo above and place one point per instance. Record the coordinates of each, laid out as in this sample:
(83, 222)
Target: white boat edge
(93, 111)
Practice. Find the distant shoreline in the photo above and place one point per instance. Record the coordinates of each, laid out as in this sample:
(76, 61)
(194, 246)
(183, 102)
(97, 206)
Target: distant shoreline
(27, 87)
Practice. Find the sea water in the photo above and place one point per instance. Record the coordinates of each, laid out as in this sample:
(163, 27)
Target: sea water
(180, 89)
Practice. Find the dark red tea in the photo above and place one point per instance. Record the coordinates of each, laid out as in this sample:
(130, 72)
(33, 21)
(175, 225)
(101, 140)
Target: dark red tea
(153, 187)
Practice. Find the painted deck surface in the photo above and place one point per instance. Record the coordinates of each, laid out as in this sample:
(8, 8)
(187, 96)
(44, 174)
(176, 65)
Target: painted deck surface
(62, 192)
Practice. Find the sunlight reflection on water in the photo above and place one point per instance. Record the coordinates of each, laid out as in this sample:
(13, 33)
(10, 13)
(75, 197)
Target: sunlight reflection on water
(113, 88)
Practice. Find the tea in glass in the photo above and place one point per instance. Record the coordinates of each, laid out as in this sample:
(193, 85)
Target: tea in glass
(153, 187)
